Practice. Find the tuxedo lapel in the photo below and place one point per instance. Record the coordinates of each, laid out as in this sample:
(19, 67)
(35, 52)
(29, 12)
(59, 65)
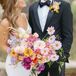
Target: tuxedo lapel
(49, 17)
(36, 16)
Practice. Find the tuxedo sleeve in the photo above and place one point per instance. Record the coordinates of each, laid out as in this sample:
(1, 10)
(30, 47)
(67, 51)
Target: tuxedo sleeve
(30, 18)
(67, 29)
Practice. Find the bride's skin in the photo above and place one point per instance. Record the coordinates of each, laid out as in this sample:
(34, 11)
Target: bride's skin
(4, 33)
(21, 21)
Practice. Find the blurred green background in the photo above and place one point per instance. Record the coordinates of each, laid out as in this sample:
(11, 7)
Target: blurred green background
(73, 50)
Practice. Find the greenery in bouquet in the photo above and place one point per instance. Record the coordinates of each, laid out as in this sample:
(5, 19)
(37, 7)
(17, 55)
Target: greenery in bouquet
(33, 52)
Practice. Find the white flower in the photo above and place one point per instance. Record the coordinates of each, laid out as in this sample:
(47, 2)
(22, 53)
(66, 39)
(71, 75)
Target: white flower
(39, 56)
(13, 41)
(21, 32)
(51, 30)
(36, 35)
(44, 51)
(56, 45)
(54, 57)
(45, 59)
(19, 49)
(52, 39)
(24, 43)
(39, 44)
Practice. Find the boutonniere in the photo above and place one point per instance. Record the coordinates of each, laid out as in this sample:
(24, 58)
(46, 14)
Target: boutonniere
(55, 7)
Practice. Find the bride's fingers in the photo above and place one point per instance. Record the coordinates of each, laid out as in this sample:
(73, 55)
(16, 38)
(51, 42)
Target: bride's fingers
(15, 33)
(12, 29)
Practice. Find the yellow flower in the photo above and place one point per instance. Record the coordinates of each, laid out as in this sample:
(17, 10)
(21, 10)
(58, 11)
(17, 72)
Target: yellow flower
(28, 52)
(33, 56)
(13, 53)
(51, 7)
(55, 7)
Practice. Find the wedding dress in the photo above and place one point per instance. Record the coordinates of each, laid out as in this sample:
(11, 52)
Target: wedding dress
(17, 70)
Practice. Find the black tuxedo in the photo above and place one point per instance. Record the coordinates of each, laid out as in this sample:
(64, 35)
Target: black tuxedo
(62, 22)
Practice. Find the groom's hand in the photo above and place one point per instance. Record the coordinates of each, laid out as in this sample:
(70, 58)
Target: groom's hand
(64, 57)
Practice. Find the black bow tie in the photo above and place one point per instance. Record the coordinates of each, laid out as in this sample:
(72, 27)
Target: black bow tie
(44, 3)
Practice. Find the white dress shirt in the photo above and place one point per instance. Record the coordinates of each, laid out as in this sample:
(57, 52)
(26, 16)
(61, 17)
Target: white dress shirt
(42, 14)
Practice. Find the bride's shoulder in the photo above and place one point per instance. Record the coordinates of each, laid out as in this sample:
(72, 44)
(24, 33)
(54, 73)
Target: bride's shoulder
(4, 22)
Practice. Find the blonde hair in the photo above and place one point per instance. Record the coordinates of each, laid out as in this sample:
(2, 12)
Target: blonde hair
(9, 10)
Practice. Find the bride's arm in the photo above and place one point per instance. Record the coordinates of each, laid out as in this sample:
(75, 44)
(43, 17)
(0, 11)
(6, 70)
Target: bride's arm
(4, 33)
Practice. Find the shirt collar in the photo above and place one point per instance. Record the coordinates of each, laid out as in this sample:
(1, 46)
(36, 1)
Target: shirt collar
(46, 0)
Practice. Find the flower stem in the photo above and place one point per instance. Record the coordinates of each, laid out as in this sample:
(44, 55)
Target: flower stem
(44, 37)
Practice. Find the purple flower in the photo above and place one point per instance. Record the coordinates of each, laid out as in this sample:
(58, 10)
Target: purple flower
(13, 60)
(8, 50)
(27, 66)
(41, 68)
(27, 62)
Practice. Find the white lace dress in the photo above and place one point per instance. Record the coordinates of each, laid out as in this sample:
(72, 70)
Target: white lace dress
(17, 70)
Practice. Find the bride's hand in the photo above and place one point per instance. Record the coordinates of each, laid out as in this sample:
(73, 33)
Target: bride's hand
(13, 31)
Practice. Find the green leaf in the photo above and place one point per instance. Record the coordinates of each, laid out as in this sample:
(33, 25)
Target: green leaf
(50, 63)
(61, 64)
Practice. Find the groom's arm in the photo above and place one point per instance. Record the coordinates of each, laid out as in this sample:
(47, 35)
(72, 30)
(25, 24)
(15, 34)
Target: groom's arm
(67, 29)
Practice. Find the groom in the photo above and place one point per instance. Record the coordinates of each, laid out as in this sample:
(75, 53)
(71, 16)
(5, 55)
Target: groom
(41, 17)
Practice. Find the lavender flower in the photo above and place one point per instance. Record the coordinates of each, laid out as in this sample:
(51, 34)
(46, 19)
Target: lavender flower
(41, 68)
(13, 60)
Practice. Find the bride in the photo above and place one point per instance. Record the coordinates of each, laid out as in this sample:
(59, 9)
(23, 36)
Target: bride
(13, 17)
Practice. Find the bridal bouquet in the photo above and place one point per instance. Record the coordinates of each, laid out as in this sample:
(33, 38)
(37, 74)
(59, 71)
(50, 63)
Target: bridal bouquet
(33, 52)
